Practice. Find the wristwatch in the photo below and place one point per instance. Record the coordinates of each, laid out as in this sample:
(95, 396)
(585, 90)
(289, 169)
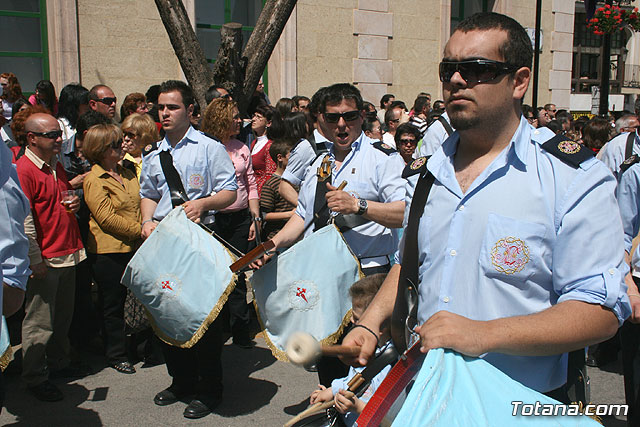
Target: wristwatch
(362, 207)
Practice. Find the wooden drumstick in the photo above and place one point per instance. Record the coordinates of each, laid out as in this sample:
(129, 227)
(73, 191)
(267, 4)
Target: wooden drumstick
(303, 349)
(353, 384)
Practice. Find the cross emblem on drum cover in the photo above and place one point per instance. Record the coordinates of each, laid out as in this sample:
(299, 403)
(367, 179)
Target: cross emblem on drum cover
(166, 285)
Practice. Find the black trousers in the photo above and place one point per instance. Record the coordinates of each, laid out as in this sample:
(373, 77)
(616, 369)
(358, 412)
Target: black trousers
(199, 368)
(85, 322)
(234, 228)
(630, 337)
(107, 270)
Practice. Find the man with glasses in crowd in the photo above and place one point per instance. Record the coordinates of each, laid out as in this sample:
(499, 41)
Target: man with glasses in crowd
(551, 110)
(495, 249)
(55, 248)
(371, 204)
(103, 100)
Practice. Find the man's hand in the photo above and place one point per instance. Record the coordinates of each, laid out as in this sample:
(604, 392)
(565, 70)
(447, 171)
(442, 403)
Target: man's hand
(341, 201)
(78, 180)
(194, 210)
(635, 309)
(363, 338)
(252, 231)
(346, 401)
(448, 330)
(322, 394)
(38, 271)
(258, 263)
(147, 229)
(74, 204)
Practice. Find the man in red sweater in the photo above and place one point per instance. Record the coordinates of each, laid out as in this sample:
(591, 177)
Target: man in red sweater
(55, 249)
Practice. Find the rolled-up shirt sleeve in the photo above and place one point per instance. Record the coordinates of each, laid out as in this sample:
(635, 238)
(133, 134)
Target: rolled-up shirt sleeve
(299, 160)
(14, 246)
(588, 255)
(149, 188)
(223, 174)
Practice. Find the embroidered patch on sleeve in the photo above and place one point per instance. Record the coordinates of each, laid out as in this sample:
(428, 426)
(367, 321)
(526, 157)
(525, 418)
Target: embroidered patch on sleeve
(509, 255)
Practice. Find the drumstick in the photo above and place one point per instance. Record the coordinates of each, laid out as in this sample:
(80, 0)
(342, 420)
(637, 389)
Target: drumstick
(303, 349)
(353, 384)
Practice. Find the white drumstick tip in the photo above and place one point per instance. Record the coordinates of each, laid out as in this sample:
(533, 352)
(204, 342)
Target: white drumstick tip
(303, 349)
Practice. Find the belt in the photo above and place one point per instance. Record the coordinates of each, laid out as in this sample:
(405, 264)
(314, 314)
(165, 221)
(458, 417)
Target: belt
(375, 261)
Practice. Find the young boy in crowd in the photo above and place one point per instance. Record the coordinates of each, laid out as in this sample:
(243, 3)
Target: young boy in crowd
(275, 209)
(362, 293)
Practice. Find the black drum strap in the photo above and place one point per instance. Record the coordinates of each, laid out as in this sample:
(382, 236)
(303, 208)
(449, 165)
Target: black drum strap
(320, 209)
(628, 150)
(446, 125)
(171, 175)
(406, 298)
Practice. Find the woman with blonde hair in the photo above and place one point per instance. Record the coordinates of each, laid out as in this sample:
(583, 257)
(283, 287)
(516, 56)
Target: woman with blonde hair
(140, 134)
(235, 223)
(112, 194)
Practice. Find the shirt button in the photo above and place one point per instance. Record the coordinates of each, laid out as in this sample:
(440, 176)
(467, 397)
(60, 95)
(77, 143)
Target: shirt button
(453, 252)
(461, 208)
(612, 271)
(445, 299)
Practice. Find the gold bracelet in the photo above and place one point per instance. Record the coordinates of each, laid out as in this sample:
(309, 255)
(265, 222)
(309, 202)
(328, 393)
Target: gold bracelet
(634, 295)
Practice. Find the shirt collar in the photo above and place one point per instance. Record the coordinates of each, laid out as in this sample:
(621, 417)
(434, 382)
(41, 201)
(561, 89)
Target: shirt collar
(38, 161)
(100, 171)
(190, 136)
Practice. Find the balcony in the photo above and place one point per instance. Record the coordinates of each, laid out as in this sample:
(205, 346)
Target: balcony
(631, 76)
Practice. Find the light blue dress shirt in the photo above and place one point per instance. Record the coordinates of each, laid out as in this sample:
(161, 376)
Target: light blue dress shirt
(203, 164)
(14, 208)
(612, 154)
(299, 160)
(531, 231)
(628, 193)
(371, 175)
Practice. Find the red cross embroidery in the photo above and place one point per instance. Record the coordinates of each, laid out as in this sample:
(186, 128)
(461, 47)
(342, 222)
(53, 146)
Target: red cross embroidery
(165, 285)
(300, 293)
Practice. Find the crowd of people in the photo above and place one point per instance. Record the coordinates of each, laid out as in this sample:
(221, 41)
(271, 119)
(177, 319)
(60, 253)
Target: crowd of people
(495, 280)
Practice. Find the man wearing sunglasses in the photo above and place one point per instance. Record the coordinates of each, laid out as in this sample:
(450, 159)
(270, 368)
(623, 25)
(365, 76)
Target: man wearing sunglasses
(497, 255)
(551, 109)
(55, 248)
(103, 100)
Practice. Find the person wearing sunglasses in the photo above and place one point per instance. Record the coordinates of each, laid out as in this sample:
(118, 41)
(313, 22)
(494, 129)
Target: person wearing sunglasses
(551, 109)
(494, 249)
(112, 194)
(407, 137)
(55, 248)
(103, 100)
(366, 209)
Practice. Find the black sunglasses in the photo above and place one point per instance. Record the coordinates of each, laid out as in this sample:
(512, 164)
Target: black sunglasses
(348, 116)
(116, 144)
(475, 70)
(108, 100)
(54, 134)
(407, 141)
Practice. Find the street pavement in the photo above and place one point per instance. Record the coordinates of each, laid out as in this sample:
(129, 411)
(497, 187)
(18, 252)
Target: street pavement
(259, 391)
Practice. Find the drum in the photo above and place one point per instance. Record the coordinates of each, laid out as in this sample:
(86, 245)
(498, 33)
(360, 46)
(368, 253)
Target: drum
(6, 353)
(306, 288)
(181, 275)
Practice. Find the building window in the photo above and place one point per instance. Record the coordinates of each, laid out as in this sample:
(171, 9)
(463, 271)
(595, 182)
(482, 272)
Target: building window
(212, 14)
(587, 56)
(461, 9)
(24, 51)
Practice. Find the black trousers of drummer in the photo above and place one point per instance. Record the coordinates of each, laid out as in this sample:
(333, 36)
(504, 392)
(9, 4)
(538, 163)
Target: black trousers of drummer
(234, 228)
(630, 340)
(331, 368)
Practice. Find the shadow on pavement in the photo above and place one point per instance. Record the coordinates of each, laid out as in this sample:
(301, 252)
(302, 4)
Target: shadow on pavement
(30, 411)
(238, 365)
